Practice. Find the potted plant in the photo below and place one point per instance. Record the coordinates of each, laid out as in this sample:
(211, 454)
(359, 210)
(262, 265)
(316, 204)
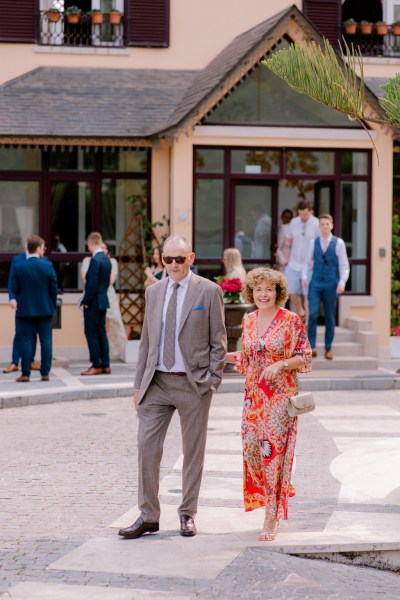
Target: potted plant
(366, 27)
(53, 15)
(114, 17)
(132, 345)
(381, 28)
(97, 16)
(350, 26)
(73, 13)
(235, 309)
(396, 28)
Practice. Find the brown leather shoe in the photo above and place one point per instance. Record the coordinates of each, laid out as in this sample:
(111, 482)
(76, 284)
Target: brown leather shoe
(328, 355)
(188, 528)
(35, 366)
(314, 354)
(11, 368)
(45, 378)
(92, 371)
(138, 528)
(106, 371)
(22, 379)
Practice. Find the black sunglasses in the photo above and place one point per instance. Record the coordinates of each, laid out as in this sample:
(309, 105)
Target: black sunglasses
(178, 259)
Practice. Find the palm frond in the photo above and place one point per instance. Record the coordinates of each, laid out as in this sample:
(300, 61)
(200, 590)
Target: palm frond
(315, 71)
(390, 101)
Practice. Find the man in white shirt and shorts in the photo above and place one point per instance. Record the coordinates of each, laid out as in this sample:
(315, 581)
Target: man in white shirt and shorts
(302, 229)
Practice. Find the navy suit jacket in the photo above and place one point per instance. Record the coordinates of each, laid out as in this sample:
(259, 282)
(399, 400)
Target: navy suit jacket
(16, 260)
(97, 282)
(35, 287)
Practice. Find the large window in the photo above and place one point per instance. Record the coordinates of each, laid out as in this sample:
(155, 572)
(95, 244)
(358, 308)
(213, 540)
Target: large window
(240, 194)
(62, 195)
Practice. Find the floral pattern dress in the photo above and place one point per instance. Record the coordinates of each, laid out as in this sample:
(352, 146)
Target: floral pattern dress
(268, 433)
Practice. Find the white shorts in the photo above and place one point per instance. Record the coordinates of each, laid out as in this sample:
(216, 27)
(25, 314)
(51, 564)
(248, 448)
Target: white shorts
(294, 282)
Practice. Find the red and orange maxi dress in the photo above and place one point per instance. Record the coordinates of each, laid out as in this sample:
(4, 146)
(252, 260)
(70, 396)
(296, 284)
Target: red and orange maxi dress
(268, 433)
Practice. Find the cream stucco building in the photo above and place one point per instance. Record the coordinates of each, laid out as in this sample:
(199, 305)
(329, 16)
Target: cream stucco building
(190, 122)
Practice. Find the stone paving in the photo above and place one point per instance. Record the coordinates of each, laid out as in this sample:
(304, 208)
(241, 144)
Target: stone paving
(68, 478)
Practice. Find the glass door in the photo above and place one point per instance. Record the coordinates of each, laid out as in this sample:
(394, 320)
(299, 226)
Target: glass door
(70, 223)
(254, 219)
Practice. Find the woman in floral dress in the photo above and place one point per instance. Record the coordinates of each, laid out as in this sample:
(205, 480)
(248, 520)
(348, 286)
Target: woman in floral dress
(275, 348)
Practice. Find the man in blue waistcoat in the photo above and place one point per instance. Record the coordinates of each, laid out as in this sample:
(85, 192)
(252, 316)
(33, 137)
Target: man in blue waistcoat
(328, 265)
(35, 287)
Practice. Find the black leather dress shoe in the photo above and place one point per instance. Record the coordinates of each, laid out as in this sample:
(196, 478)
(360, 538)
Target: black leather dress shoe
(188, 528)
(138, 528)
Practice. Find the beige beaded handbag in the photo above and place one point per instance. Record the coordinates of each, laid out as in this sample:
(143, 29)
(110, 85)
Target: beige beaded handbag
(300, 404)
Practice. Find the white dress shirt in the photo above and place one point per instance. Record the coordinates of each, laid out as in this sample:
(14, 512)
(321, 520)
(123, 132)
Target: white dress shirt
(341, 253)
(179, 364)
(301, 232)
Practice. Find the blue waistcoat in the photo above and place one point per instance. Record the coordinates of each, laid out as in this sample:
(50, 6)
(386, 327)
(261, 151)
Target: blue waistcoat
(326, 266)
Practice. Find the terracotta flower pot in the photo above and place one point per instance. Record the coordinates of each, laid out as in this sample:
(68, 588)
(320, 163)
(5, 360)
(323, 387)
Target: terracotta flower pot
(350, 28)
(381, 28)
(53, 16)
(97, 18)
(234, 314)
(366, 28)
(73, 19)
(114, 18)
(396, 29)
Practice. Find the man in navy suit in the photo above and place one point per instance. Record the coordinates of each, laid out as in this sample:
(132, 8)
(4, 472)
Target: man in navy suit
(35, 287)
(16, 348)
(95, 304)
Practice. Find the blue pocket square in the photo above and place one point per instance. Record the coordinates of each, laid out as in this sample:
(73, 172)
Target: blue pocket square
(199, 307)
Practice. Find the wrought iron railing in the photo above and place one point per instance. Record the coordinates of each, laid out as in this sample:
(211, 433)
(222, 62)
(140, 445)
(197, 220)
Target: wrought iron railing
(85, 32)
(374, 44)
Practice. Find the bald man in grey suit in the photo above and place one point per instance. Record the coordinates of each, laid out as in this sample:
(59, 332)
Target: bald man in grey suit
(181, 359)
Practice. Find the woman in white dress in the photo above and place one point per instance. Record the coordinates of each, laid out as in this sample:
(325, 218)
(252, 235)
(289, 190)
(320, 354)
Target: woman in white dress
(115, 327)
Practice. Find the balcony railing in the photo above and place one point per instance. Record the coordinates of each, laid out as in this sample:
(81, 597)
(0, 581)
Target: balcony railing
(83, 33)
(373, 44)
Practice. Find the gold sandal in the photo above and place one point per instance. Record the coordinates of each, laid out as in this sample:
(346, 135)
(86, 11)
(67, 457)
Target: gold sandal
(269, 530)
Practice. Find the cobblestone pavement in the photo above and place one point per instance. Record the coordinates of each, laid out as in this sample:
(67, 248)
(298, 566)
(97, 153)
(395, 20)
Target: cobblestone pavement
(68, 470)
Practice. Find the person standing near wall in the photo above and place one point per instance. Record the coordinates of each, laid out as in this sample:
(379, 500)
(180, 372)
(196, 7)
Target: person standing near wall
(327, 261)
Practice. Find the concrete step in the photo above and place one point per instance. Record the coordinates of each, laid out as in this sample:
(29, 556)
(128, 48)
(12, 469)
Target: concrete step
(341, 334)
(341, 349)
(345, 363)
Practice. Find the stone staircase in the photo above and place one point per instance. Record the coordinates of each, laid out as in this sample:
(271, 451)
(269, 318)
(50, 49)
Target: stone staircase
(355, 347)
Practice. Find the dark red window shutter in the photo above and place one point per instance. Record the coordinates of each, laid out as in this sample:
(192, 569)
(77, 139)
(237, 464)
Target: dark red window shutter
(326, 16)
(17, 21)
(148, 23)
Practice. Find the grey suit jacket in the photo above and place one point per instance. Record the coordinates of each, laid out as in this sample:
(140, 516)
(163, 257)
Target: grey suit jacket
(202, 335)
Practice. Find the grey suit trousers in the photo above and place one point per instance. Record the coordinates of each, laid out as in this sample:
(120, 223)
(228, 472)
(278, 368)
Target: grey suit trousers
(165, 394)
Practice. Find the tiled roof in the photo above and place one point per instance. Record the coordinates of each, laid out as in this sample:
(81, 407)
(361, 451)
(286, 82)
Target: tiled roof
(135, 103)
(58, 101)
